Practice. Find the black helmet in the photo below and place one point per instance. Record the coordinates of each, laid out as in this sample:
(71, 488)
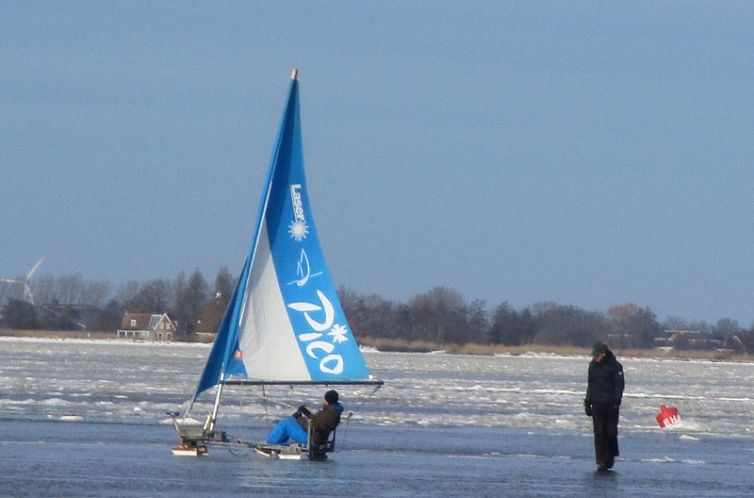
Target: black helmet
(331, 397)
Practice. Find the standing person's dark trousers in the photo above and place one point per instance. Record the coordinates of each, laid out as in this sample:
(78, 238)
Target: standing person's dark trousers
(605, 418)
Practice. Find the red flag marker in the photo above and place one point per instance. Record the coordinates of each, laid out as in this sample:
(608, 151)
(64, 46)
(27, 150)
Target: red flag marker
(668, 416)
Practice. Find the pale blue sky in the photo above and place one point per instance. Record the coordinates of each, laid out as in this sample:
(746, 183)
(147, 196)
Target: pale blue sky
(586, 153)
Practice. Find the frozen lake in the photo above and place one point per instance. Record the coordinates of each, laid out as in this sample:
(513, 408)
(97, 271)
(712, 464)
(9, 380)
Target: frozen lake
(84, 418)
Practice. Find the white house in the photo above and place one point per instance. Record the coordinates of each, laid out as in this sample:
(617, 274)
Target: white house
(150, 327)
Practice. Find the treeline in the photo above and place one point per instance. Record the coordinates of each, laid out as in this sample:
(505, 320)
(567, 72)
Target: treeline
(72, 303)
(441, 315)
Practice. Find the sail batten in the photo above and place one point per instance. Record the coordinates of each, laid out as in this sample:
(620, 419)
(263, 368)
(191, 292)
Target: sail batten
(284, 323)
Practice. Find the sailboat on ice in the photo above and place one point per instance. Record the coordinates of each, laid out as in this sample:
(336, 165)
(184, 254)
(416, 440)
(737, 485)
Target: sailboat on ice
(284, 323)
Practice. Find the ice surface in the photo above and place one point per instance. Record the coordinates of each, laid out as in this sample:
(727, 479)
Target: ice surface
(121, 380)
(443, 425)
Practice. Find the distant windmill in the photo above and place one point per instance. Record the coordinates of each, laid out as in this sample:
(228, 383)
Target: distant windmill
(25, 281)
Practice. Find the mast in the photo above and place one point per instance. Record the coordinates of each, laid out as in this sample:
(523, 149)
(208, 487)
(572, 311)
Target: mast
(209, 425)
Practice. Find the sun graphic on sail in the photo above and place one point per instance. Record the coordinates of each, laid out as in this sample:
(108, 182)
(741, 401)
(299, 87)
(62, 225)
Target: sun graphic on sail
(338, 333)
(298, 230)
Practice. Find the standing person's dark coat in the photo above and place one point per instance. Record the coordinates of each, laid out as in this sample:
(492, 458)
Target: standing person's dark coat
(604, 393)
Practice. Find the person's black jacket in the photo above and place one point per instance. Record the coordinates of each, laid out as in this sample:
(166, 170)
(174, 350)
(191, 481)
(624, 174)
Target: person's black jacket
(605, 382)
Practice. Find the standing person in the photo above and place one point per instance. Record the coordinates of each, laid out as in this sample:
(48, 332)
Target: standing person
(296, 426)
(603, 396)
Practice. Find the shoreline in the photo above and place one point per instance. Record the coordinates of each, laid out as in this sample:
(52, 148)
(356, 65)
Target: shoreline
(399, 345)
(402, 346)
(81, 334)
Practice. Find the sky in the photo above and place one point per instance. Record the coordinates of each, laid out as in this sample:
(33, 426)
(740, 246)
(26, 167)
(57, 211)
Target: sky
(584, 153)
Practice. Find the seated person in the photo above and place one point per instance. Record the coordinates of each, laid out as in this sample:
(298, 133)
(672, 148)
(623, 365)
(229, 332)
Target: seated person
(322, 423)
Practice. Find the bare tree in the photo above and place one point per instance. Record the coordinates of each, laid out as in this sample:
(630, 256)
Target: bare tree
(151, 297)
(127, 291)
(44, 288)
(224, 285)
(18, 314)
(190, 300)
(95, 294)
(109, 318)
(567, 325)
(633, 326)
(510, 327)
(69, 289)
(217, 303)
(374, 316)
(439, 315)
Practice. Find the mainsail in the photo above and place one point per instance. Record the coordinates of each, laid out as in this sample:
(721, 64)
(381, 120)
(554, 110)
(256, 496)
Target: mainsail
(284, 323)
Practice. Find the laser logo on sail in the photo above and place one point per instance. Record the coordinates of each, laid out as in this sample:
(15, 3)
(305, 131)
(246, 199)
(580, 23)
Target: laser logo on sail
(297, 228)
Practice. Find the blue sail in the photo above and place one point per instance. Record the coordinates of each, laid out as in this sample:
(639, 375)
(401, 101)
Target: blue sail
(226, 337)
(285, 322)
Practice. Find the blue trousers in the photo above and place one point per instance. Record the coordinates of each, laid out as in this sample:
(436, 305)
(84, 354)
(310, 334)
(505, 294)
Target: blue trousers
(287, 428)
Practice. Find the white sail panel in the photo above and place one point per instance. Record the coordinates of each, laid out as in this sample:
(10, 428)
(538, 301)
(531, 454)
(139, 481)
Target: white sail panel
(268, 343)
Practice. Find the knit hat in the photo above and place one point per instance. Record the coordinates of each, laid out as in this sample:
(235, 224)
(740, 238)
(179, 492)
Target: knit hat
(598, 348)
(331, 397)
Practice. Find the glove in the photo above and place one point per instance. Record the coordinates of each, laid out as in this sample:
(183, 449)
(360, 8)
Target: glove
(587, 409)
